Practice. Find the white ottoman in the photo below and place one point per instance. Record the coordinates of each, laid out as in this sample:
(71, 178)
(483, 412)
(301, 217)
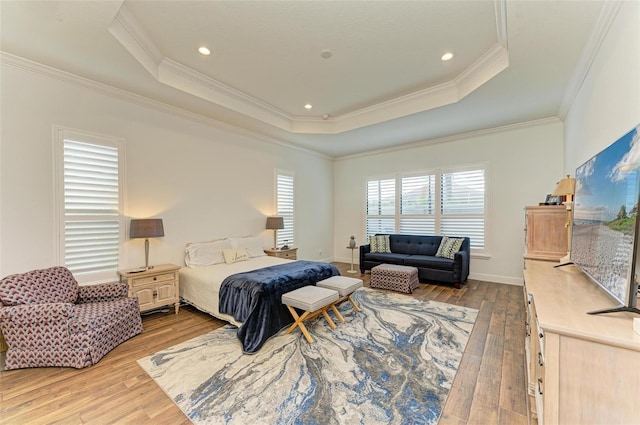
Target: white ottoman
(345, 287)
(314, 301)
(394, 277)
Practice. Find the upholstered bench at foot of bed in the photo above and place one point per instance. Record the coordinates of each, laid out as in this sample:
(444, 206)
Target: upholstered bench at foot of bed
(345, 287)
(314, 301)
(394, 277)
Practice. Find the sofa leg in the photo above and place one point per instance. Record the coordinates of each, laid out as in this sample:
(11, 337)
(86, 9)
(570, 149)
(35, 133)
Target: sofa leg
(457, 285)
(361, 271)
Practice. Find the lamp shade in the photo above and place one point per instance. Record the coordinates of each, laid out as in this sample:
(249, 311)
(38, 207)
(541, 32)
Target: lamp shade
(274, 223)
(566, 186)
(146, 228)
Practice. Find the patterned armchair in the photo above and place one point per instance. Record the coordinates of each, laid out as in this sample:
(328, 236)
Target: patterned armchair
(49, 320)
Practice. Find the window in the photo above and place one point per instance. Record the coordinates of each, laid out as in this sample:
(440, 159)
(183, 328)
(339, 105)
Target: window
(89, 197)
(441, 202)
(285, 201)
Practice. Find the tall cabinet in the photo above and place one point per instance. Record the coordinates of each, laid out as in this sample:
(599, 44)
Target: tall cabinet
(546, 232)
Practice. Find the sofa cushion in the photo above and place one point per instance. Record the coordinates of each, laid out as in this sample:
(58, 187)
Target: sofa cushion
(52, 285)
(392, 258)
(449, 247)
(380, 243)
(415, 244)
(430, 262)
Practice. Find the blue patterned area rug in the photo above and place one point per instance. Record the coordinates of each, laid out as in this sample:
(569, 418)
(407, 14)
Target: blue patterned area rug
(392, 363)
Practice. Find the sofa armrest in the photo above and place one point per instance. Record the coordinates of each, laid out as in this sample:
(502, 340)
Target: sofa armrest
(364, 249)
(40, 322)
(461, 265)
(102, 292)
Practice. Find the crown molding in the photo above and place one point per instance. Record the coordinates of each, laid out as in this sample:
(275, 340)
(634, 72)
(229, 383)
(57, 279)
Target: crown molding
(454, 138)
(126, 29)
(603, 24)
(27, 65)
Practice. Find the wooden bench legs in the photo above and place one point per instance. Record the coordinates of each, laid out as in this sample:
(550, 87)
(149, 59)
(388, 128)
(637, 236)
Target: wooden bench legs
(310, 315)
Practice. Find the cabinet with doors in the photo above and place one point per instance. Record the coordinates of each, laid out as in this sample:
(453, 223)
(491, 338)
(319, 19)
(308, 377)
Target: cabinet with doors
(154, 288)
(546, 232)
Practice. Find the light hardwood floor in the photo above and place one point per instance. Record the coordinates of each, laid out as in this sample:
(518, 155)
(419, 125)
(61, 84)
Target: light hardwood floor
(489, 387)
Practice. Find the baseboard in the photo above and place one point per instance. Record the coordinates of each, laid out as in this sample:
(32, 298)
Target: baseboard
(518, 281)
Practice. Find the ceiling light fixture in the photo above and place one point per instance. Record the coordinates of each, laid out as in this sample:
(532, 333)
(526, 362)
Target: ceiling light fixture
(308, 106)
(326, 54)
(447, 56)
(204, 51)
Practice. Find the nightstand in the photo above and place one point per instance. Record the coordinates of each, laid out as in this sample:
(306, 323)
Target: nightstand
(290, 254)
(155, 287)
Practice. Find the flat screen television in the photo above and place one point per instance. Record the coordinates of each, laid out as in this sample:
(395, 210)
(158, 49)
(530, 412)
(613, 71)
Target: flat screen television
(604, 233)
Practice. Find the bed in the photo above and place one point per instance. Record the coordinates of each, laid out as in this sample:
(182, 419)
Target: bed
(237, 294)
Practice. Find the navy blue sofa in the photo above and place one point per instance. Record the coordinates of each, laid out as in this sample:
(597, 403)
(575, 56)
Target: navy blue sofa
(420, 251)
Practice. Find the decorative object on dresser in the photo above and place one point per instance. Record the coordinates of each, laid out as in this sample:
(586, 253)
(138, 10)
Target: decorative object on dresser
(274, 223)
(565, 190)
(581, 368)
(545, 232)
(154, 288)
(289, 254)
(146, 228)
(49, 320)
(438, 258)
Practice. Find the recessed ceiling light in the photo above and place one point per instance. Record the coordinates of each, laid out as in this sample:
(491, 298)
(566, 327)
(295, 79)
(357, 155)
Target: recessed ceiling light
(447, 56)
(204, 51)
(326, 54)
(308, 106)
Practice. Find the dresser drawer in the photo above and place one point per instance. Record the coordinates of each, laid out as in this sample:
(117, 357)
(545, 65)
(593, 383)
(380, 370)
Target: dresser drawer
(153, 279)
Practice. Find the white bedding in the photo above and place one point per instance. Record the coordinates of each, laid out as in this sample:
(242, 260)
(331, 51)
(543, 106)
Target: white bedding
(200, 286)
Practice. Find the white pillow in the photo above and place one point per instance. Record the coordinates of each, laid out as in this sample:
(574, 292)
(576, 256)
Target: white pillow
(253, 245)
(233, 255)
(201, 254)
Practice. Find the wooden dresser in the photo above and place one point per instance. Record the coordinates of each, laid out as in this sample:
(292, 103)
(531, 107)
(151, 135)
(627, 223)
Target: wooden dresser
(546, 232)
(582, 369)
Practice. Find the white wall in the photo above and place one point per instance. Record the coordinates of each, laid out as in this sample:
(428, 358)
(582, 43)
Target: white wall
(608, 103)
(204, 182)
(525, 163)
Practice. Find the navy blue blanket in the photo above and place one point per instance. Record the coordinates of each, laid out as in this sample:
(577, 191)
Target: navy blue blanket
(255, 298)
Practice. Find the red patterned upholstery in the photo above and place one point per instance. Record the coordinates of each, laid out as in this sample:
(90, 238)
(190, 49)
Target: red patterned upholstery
(48, 320)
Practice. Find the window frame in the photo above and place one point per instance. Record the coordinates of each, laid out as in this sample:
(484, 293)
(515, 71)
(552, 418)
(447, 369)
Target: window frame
(60, 134)
(437, 207)
(289, 219)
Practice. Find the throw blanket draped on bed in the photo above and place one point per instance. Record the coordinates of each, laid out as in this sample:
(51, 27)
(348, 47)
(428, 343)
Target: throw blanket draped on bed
(254, 298)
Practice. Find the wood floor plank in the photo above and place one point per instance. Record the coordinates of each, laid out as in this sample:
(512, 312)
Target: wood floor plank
(488, 388)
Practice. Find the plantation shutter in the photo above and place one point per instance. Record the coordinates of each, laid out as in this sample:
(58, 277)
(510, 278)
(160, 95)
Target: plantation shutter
(381, 206)
(91, 228)
(463, 205)
(285, 202)
(417, 205)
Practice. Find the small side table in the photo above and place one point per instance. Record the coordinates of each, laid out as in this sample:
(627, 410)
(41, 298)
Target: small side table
(156, 287)
(351, 270)
(290, 254)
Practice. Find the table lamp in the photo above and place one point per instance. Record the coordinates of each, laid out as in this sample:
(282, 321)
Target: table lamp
(146, 228)
(275, 223)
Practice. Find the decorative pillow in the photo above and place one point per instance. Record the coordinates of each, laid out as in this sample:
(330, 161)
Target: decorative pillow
(448, 247)
(233, 255)
(380, 243)
(201, 254)
(253, 245)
